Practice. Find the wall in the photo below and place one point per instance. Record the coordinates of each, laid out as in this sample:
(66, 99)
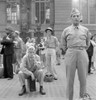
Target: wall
(2, 17)
(62, 17)
(3, 21)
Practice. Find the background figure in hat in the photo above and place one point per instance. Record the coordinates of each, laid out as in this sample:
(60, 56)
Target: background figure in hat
(8, 53)
(75, 39)
(51, 44)
(18, 50)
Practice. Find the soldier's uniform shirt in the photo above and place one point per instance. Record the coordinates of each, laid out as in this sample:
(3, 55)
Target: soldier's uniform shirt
(75, 37)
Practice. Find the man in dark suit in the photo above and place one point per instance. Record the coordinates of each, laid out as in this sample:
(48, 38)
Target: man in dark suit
(8, 45)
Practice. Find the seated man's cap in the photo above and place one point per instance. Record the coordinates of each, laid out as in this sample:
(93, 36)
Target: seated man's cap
(30, 49)
(49, 28)
(75, 11)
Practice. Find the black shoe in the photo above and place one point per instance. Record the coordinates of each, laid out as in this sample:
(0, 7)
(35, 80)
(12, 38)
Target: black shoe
(58, 63)
(42, 90)
(55, 78)
(90, 73)
(23, 91)
(10, 78)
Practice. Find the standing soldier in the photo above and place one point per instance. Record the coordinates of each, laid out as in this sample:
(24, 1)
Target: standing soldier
(75, 40)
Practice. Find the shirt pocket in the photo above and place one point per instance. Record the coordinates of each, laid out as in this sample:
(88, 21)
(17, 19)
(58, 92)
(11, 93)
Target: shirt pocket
(83, 37)
(69, 36)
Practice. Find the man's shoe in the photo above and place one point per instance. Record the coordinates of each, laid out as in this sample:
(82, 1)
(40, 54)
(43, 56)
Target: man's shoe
(55, 78)
(58, 63)
(10, 78)
(42, 90)
(23, 91)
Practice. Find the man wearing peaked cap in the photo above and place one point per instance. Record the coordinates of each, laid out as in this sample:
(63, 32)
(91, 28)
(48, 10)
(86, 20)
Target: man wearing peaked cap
(75, 39)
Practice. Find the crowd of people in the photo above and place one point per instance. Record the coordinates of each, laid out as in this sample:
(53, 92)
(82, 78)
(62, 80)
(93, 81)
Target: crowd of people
(29, 59)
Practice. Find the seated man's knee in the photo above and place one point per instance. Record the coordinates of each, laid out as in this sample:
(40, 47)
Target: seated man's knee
(41, 74)
(20, 73)
(40, 71)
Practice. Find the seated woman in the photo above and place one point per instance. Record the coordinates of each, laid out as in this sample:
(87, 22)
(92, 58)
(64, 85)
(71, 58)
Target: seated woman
(29, 67)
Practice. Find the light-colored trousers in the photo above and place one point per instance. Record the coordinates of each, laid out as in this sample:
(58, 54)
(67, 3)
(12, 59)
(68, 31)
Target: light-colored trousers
(51, 61)
(76, 59)
(18, 53)
(38, 75)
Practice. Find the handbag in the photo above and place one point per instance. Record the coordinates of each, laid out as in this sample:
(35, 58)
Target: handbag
(48, 77)
(2, 50)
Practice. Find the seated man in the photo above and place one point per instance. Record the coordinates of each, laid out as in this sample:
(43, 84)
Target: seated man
(29, 68)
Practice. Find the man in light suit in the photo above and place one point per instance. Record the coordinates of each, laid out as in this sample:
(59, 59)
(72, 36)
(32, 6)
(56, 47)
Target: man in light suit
(29, 67)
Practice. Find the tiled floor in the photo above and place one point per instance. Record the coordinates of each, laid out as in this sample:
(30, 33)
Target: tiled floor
(55, 90)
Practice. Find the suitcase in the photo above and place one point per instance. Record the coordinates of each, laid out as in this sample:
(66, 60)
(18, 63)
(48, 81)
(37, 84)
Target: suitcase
(31, 84)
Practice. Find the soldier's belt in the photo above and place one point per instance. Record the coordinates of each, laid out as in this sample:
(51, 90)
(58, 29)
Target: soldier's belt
(77, 47)
(51, 47)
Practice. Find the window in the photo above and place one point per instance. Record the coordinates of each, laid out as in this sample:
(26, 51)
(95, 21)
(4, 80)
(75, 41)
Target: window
(13, 13)
(88, 10)
(42, 11)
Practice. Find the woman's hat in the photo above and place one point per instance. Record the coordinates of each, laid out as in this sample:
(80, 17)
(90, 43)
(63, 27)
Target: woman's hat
(17, 32)
(9, 28)
(49, 28)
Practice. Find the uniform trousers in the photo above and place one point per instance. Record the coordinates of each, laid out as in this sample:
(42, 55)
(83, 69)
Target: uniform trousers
(38, 75)
(76, 59)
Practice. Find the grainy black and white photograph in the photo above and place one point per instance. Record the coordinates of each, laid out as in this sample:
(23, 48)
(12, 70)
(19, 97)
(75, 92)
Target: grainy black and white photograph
(47, 49)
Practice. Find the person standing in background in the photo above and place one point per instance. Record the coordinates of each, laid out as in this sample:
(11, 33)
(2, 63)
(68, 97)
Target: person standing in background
(51, 45)
(90, 52)
(75, 39)
(18, 48)
(8, 54)
(94, 54)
